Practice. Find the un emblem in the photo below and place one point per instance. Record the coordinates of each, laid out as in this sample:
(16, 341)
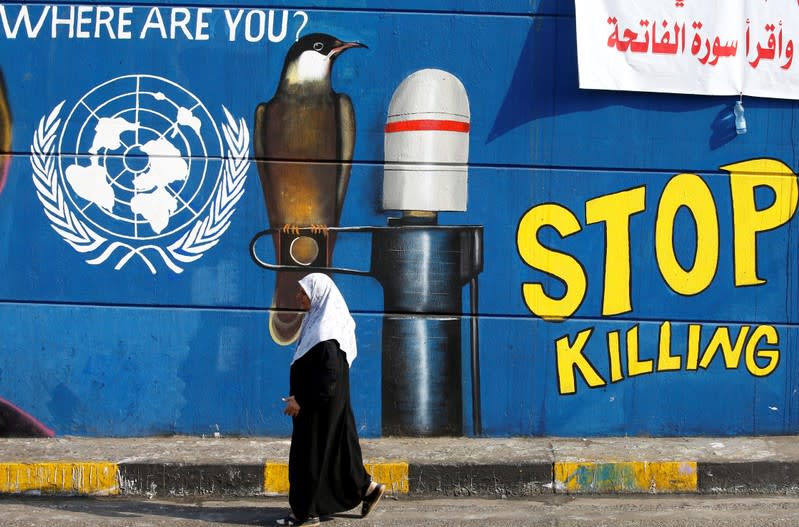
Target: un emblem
(140, 169)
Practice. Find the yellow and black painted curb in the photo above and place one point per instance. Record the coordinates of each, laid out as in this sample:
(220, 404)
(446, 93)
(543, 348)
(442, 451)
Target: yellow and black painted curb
(82, 478)
(92, 478)
(624, 477)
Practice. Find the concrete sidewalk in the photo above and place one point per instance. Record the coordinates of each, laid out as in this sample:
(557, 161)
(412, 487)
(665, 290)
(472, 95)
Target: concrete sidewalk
(499, 467)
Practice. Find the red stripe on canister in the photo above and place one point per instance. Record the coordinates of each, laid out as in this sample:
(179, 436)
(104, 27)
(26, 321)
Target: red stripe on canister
(418, 125)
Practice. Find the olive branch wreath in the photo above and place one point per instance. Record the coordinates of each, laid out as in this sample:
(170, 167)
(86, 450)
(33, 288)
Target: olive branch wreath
(202, 236)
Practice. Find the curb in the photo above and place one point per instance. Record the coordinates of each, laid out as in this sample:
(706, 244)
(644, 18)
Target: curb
(167, 479)
(403, 478)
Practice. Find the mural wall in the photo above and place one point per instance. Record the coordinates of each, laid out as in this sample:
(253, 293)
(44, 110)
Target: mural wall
(521, 257)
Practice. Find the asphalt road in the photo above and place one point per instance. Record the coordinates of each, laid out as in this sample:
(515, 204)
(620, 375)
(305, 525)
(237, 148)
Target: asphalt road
(560, 511)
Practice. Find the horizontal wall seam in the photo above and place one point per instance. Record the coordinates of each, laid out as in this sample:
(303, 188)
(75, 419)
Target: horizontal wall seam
(713, 171)
(616, 319)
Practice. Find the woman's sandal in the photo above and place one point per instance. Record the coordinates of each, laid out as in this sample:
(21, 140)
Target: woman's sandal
(370, 500)
(311, 521)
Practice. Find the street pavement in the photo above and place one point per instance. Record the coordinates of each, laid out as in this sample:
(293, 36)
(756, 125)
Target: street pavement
(540, 511)
(184, 466)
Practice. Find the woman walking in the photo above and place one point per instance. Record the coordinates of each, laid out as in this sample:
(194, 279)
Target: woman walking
(326, 473)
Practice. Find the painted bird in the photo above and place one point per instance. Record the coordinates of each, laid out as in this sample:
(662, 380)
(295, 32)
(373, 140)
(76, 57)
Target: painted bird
(303, 139)
(5, 133)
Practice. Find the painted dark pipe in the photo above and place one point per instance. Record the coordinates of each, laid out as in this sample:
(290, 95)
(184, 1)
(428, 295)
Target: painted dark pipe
(422, 270)
(477, 419)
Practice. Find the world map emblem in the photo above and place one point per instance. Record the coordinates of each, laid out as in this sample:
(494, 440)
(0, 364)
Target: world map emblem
(138, 168)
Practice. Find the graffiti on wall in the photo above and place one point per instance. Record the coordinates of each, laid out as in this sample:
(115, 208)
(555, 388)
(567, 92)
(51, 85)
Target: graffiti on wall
(423, 265)
(754, 348)
(304, 139)
(15, 422)
(120, 175)
(5, 133)
(252, 26)
(397, 169)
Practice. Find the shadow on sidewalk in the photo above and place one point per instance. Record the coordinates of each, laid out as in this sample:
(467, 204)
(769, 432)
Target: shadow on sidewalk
(217, 510)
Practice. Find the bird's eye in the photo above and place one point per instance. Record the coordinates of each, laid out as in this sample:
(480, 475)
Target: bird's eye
(318, 46)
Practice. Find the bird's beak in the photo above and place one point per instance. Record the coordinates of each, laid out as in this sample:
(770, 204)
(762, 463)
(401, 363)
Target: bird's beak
(345, 46)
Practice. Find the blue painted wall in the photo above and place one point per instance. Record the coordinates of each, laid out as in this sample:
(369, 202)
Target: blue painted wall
(92, 349)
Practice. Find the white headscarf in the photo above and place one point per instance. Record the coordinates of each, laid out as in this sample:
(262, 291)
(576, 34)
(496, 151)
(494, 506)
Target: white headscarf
(329, 318)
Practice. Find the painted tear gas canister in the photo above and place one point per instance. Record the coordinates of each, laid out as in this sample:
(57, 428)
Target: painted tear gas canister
(427, 144)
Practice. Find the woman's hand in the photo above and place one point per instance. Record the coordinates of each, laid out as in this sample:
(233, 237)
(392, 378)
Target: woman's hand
(292, 407)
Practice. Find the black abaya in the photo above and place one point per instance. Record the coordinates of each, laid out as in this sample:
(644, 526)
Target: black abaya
(326, 473)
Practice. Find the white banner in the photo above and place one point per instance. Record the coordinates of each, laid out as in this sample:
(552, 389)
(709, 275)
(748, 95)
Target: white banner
(706, 47)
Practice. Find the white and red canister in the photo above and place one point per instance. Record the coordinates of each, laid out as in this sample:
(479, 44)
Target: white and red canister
(427, 144)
